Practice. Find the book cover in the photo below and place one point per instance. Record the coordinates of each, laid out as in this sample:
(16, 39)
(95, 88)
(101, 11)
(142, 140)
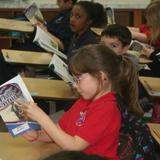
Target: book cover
(58, 66)
(44, 40)
(136, 46)
(110, 15)
(13, 117)
(33, 14)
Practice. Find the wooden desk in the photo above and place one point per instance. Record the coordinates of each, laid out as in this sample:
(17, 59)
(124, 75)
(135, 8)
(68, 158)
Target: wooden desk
(155, 131)
(18, 148)
(26, 57)
(16, 25)
(152, 85)
(49, 89)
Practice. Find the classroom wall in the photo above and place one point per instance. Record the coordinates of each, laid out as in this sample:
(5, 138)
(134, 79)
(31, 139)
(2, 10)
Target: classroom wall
(113, 3)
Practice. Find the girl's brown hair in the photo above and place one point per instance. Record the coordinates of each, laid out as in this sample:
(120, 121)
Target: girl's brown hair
(120, 71)
(153, 19)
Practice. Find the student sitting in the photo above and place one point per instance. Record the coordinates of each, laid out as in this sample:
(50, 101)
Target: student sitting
(58, 26)
(84, 15)
(149, 32)
(88, 125)
(133, 129)
(118, 38)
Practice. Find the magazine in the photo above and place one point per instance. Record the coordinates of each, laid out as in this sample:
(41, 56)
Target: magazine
(58, 66)
(33, 14)
(110, 15)
(44, 40)
(13, 117)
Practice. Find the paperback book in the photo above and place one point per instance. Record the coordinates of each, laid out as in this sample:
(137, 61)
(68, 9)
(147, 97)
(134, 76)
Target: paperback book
(33, 14)
(58, 66)
(110, 16)
(44, 40)
(10, 92)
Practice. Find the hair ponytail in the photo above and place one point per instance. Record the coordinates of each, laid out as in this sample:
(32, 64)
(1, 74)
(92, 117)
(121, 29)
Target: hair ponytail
(129, 86)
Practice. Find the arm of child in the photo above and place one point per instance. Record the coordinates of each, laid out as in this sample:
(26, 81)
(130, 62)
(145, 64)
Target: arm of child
(58, 135)
(136, 34)
(60, 44)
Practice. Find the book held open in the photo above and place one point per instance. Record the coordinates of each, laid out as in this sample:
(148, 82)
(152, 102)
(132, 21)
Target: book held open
(44, 40)
(33, 14)
(15, 121)
(58, 66)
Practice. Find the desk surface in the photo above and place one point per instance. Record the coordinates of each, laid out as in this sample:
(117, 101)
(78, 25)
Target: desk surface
(152, 85)
(16, 25)
(18, 148)
(49, 89)
(155, 131)
(26, 57)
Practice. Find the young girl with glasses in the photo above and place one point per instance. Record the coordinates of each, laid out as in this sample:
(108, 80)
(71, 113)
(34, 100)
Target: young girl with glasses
(92, 124)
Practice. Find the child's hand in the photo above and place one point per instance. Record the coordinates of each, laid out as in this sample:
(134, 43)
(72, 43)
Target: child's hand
(31, 110)
(147, 50)
(31, 135)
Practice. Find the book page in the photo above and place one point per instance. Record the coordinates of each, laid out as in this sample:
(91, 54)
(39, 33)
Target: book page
(46, 42)
(61, 69)
(13, 117)
(33, 14)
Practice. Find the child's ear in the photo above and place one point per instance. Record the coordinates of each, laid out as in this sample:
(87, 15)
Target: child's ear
(104, 77)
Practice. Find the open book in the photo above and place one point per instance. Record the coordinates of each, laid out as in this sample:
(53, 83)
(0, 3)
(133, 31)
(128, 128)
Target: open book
(13, 117)
(110, 15)
(136, 46)
(44, 40)
(58, 66)
(33, 14)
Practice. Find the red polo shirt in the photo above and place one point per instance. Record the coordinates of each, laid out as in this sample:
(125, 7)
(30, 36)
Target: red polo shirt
(97, 122)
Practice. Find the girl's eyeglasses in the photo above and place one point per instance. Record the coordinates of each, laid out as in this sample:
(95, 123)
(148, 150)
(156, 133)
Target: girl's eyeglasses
(77, 79)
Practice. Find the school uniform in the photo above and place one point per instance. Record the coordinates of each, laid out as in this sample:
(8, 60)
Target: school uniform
(97, 122)
(88, 37)
(59, 26)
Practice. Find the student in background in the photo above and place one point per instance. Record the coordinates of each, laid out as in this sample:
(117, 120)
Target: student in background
(118, 38)
(133, 128)
(88, 126)
(73, 155)
(84, 15)
(149, 32)
(58, 26)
